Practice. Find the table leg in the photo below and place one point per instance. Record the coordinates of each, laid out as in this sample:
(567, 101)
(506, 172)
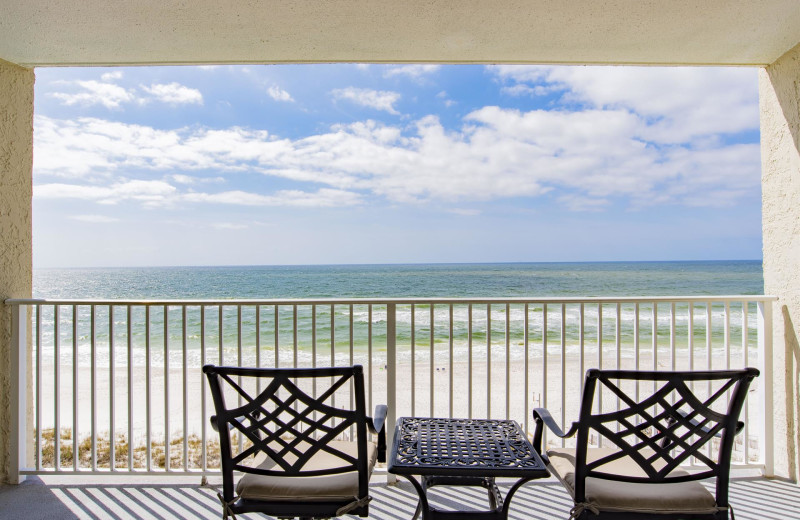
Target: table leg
(495, 499)
(417, 511)
(510, 494)
(422, 504)
(500, 506)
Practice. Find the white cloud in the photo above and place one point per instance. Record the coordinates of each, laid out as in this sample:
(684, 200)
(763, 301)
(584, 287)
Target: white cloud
(96, 147)
(94, 219)
(278, 94)
(445, 99)
(411, 71)
(298, 198)
(377, 99)
(189, 180)
(173, 93)
(228, 226)
(149, 193)
(680, 103)
(593, 154)
(521, 89)
(581, 203)
(111, 76)
(465, 212)
(159, 193)
(183, 179)
(96, 93)
(111, 95)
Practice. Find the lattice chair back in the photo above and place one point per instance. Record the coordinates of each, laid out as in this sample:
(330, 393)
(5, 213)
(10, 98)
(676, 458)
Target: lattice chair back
(288, 418)
(677, 418)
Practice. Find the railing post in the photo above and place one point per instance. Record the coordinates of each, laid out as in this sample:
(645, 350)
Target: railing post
(767, 426)
(19, 406)
(391, 378)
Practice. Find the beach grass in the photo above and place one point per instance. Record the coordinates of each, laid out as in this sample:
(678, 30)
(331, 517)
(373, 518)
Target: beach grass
(158, 453)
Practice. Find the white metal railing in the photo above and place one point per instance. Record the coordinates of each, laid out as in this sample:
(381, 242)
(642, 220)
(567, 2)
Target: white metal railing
(119, 383)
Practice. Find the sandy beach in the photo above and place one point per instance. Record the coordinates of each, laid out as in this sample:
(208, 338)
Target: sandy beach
(478, 390)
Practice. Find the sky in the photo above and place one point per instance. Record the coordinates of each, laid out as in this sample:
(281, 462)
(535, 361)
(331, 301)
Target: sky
(363, 164)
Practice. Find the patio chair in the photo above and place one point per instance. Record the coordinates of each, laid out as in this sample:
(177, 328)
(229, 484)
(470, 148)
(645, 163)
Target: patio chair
(301, 455)
(681, 417)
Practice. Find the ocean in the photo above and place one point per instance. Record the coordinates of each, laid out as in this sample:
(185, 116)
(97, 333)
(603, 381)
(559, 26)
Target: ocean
(488, 340)
(312, 331)
(412, 280)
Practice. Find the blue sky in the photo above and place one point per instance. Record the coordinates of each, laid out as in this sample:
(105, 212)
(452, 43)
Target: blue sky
(331, 164)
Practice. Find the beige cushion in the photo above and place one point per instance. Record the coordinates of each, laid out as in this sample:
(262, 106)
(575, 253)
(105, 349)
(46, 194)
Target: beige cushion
(612, 495)
(327, 487)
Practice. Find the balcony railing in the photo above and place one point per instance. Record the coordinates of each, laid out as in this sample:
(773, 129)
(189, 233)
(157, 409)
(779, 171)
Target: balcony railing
(116, 386)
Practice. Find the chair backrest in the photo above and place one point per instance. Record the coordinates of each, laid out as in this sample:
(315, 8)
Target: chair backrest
(663, 420)
(275, 417)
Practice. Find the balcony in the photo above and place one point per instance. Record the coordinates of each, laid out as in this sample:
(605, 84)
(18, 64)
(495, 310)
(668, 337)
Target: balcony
(435, 357)
(487, 357)
(113, 46)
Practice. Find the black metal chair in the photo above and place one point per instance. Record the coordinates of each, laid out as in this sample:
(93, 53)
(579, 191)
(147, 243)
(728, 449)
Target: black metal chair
(636, 474)
(289, 444)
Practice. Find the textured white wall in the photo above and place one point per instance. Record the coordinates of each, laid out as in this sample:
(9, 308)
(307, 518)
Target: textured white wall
(16, 161)
(779, 89)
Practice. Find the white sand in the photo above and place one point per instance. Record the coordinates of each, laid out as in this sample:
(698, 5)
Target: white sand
(504, 388)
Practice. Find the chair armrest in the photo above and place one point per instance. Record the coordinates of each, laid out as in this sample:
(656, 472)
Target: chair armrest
(376, 425)
(215, 424)
(376, 422)
(543, 418)
(378, 419)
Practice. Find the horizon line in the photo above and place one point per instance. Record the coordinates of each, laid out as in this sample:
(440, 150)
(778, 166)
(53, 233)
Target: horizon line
(373, 264)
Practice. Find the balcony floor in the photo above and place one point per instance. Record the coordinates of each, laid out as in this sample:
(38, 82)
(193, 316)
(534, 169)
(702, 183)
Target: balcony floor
(125, 497)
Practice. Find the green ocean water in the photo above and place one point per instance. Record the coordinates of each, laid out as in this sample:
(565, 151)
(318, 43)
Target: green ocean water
(413, 280)
(235, 334)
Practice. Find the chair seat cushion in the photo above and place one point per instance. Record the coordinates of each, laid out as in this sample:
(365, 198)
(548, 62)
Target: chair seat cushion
(611, 495)
(341, 486)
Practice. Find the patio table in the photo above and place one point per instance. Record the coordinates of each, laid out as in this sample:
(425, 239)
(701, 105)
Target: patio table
(463, 452)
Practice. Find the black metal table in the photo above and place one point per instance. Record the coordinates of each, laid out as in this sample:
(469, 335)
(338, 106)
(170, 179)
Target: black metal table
(463, 452)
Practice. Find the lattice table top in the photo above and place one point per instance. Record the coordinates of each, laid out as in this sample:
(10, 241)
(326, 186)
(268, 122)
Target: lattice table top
(463, 447)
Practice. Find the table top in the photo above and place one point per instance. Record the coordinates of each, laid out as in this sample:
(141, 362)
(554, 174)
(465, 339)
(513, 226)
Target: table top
(463, 447)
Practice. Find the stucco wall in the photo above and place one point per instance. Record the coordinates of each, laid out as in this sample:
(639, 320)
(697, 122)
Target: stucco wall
(779, 89)
(16, 160)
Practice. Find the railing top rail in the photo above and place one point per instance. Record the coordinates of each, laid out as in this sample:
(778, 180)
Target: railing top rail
(396, 301)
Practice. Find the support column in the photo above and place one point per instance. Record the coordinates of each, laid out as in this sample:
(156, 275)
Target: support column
(779, 93)
(16, 272)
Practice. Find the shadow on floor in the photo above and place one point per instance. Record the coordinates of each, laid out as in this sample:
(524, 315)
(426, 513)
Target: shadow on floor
(753, 499)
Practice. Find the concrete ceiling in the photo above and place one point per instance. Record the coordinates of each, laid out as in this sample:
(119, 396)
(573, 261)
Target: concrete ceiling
(664, 32)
